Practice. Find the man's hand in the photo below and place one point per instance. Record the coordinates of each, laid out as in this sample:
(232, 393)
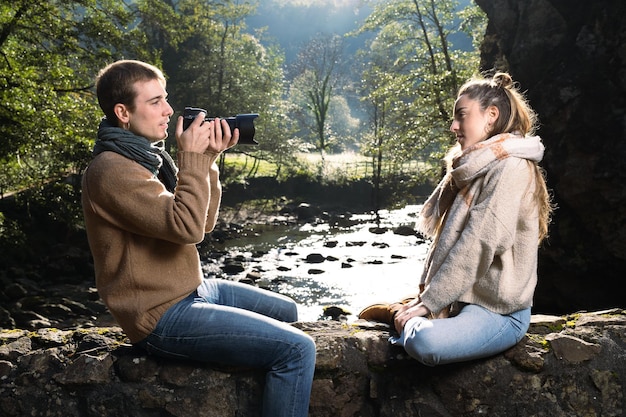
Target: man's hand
(222, 138)
(212, 137)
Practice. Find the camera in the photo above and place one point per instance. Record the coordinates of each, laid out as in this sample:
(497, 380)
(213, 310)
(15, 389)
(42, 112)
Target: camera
(244, 122)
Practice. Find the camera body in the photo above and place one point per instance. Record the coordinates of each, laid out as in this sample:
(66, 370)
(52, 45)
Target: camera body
(244, 122)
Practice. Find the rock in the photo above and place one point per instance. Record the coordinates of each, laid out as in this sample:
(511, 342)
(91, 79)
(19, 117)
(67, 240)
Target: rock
(404, 231)
(574, 77)
(6, 368)
(357, 243)
(335, 312)
(572, 349)
(315, 258)
(342, 220)
(6, 321)
(15, 348)
(306, 212)
(94, 371)
(87, 369)
(15, 291)
(253, 276)
(30, 319)
(232, 267)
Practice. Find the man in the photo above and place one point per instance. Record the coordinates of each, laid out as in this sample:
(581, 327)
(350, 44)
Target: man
(144, 216)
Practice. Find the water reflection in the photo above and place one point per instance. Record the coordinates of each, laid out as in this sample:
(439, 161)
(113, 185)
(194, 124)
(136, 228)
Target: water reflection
(320, 265)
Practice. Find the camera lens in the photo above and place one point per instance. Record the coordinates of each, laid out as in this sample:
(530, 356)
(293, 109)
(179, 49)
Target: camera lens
(245, 123)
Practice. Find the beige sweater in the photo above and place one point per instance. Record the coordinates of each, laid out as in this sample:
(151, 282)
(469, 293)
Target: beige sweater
(143, 238)
(486, 253)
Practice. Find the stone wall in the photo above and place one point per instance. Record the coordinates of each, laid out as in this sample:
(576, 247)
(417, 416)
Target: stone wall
(567, 366)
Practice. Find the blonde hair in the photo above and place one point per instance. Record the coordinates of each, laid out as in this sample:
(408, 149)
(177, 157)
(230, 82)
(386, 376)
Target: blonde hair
(515, 116)
(500, 91)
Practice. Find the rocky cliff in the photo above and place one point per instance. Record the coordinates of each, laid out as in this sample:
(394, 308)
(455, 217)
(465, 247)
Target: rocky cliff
(573, 365)
(570, 56)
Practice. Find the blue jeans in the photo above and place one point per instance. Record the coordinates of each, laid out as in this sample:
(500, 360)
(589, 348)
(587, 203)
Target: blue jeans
(474, 333)
(238, 324)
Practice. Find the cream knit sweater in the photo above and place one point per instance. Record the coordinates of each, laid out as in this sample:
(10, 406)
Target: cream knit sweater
(143, 238)
(486, 251)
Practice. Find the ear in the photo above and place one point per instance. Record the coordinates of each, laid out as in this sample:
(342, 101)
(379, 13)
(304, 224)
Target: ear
(122, 113)
(493, 113)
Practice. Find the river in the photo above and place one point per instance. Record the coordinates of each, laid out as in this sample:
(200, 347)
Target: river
(320, 264)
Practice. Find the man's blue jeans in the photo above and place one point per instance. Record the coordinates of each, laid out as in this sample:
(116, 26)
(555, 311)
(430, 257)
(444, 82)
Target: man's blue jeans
(474, 333)
(238, 324)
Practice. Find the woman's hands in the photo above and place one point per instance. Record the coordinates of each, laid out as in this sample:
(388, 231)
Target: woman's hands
(205, 136)
(414, 308)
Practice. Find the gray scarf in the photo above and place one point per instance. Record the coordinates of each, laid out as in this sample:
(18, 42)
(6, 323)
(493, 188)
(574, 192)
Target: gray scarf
(139, 149)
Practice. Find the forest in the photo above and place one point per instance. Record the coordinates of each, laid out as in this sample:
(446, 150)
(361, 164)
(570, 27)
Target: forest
(387, 103)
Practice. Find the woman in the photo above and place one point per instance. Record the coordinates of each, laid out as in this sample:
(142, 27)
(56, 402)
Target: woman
(486, 218)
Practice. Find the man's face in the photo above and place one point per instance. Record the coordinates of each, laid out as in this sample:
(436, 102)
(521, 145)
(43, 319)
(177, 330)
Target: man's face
(152, 111)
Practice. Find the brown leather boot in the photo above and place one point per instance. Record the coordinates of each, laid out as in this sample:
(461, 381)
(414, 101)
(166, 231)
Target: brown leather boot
(382, 312)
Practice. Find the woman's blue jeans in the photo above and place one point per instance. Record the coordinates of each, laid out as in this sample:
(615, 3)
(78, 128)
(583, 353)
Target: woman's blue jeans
(472, 334)
(238, 324)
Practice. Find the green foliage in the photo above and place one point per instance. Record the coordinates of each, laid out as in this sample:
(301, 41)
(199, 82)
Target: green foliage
(412, 74)
(212, 63)
(50, 54)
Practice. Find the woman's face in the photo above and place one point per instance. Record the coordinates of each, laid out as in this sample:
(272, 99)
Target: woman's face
(152, 111)
(472, 124)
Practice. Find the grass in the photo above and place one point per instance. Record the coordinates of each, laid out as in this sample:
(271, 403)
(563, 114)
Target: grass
(347, 165)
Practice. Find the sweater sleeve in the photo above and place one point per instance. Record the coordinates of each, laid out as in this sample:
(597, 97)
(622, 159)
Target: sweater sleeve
(127, 195)
(470, 248)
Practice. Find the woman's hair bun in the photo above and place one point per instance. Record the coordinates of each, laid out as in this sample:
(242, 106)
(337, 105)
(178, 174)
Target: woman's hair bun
(503, 80)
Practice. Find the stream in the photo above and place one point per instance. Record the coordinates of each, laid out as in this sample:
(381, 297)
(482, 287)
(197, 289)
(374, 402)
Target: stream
(322, 264)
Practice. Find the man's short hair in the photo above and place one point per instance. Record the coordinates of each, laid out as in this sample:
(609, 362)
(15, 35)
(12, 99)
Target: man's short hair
(115, 84)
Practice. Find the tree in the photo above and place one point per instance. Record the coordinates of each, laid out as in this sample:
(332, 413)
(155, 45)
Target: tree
(375, 75)
(414, 75)
(213, 63)
(50, 53)
(316, 75)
